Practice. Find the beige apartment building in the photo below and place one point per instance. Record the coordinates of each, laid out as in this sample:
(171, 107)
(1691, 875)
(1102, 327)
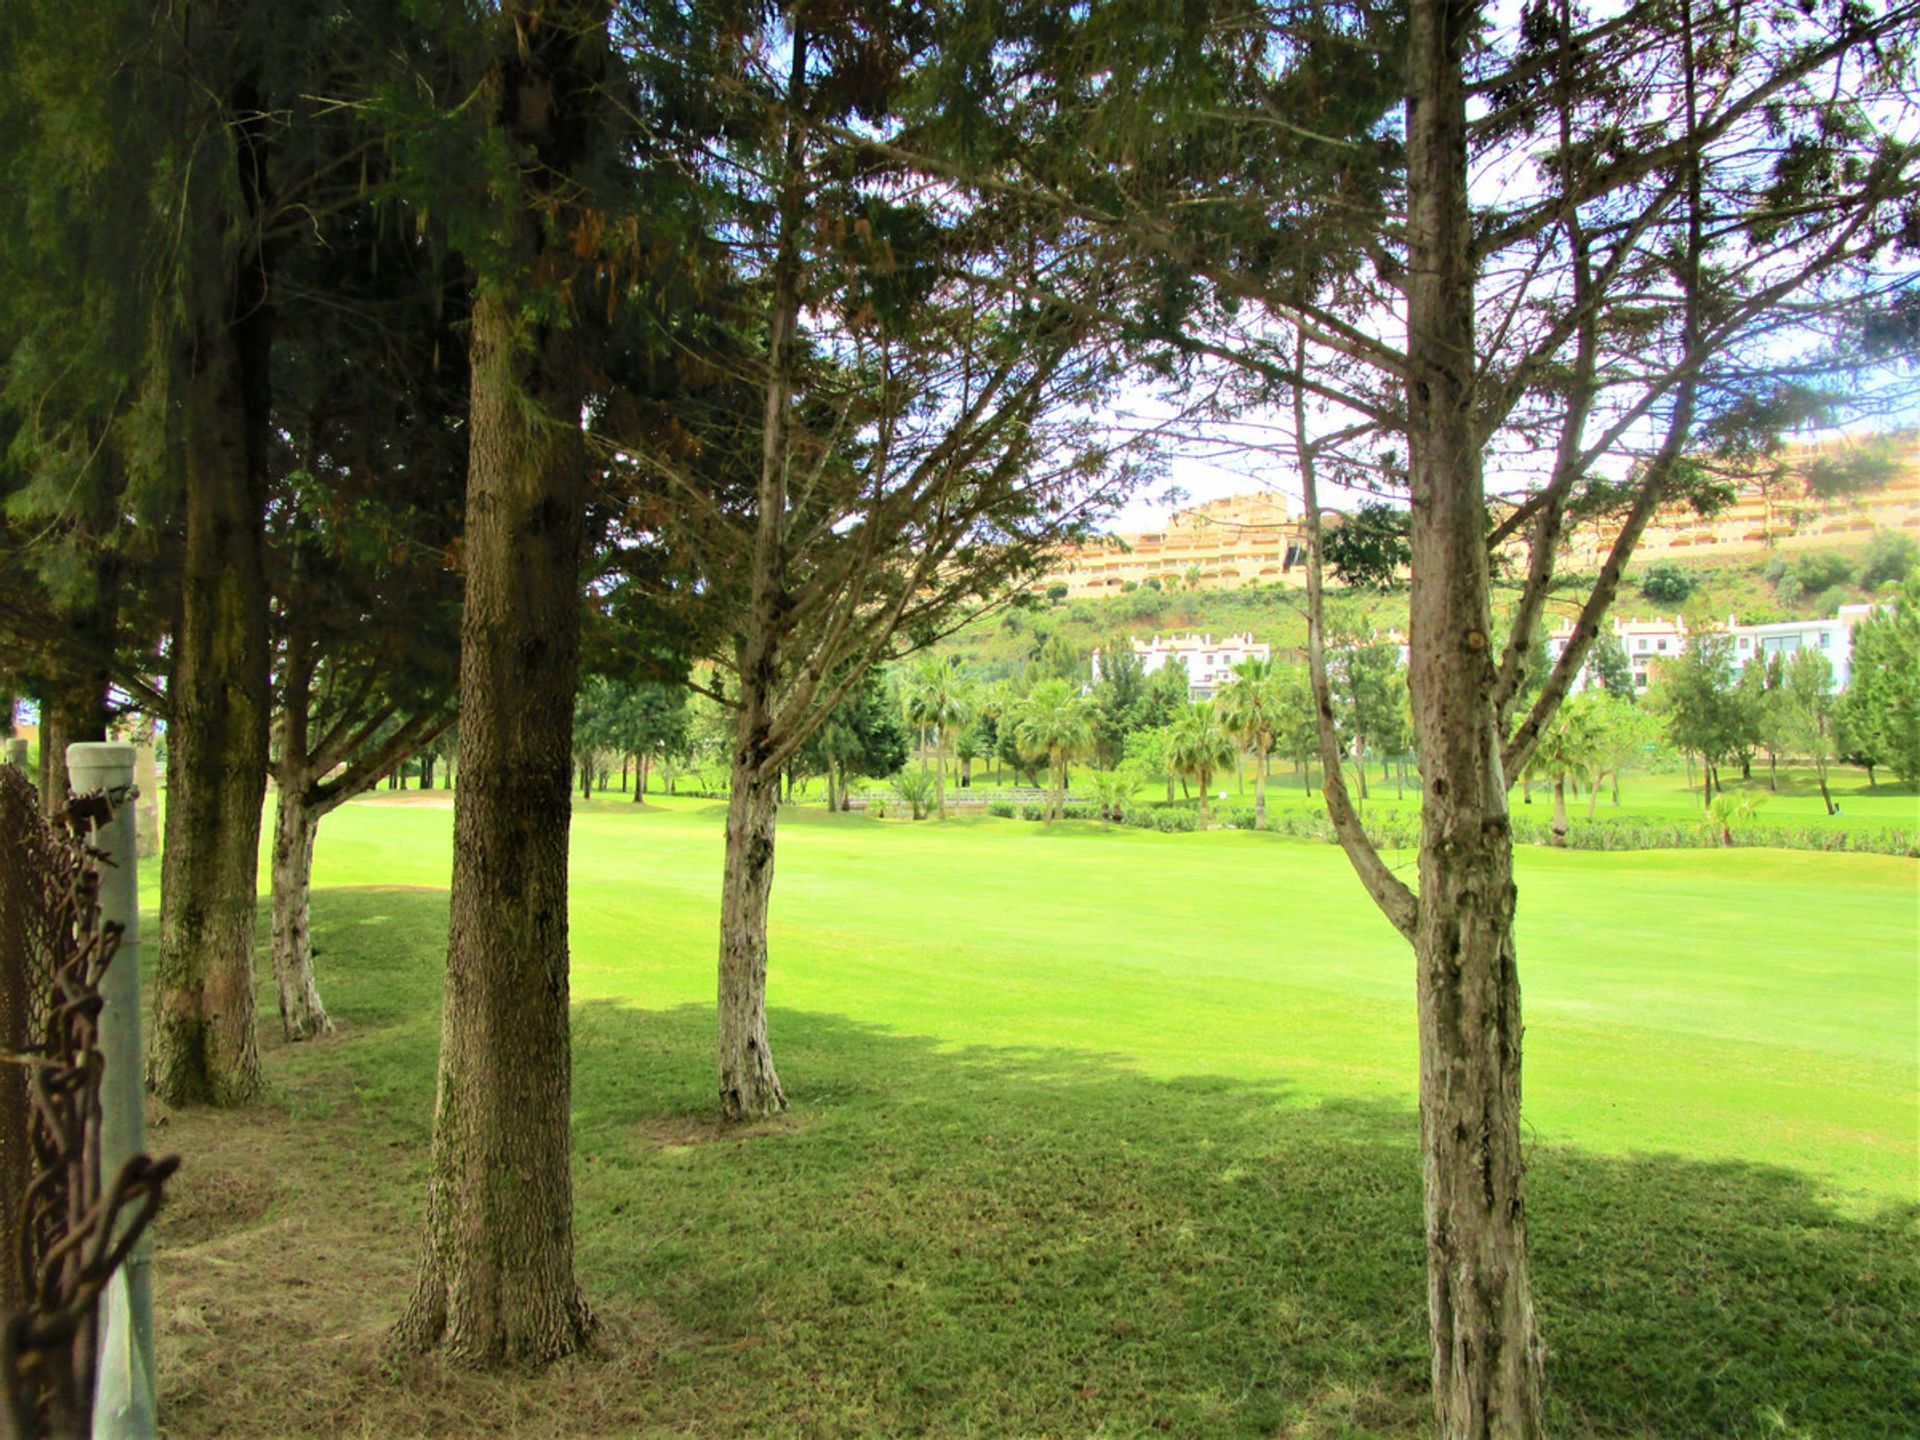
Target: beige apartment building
(1221, 545)
(1255, 539)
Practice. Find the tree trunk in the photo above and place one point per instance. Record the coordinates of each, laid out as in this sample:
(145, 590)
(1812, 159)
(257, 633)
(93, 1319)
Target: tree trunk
(749, 1085)
(53, 758)
(1260, 788)
(1560, 823)
(146, 778)
(203, 1049)
(1487, 1362)
(640, 780)
(426, 772)
(1593, 796)
(940, 774)
(496, 1279)
(302, 1016)
(1205, 778)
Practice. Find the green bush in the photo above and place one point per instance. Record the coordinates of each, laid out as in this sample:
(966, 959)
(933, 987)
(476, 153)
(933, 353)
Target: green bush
(1033, 812)
(915, 790)
(1666, 583)
(1163, 819)
(1402, 832)
(1829, 600)
(1822, 569)
(1890, 559)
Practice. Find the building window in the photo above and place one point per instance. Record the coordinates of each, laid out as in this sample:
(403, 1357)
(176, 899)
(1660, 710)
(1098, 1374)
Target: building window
(1663, 645)
(1826, 640)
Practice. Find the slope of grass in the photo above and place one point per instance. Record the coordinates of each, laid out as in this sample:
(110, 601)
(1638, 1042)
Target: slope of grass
(1095, 1133)
(1724, 585)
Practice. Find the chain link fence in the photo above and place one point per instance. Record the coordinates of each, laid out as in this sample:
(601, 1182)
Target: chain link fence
(69, 1228)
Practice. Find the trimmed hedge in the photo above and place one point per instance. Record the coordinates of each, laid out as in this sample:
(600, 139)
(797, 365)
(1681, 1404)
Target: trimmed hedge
(1396, 832)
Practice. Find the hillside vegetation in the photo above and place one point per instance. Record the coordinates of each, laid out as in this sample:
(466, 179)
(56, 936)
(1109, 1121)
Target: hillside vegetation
(1754, 587)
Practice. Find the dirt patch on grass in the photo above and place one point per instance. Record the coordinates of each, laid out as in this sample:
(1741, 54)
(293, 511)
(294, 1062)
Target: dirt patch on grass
(283, 1260)
(684, 1132)
(425, 799)
(205, 1203)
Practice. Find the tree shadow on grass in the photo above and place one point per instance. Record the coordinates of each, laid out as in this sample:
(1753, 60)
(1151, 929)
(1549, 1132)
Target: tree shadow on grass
(992, 1241)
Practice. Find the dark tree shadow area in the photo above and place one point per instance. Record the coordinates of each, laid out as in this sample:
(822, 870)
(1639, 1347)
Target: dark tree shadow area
(979, 1241)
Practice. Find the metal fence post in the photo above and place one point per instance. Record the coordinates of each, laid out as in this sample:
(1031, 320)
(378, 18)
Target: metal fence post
(123, 1399)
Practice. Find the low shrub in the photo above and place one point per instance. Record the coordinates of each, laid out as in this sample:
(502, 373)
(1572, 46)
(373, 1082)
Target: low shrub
(1002, 809)
(1666, 583)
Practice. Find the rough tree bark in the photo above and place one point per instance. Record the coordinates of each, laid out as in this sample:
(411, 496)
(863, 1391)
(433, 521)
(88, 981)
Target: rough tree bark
(749, 1085)
(302, 1016)
(203, 1049)
(1265, 743)
(303, 802)
(146, 777)
(496, 1280)
(1487, 1359)
(53, 758)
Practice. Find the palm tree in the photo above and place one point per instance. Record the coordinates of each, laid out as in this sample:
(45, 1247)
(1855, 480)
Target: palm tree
(1199, 745)
(1112, 789)
(1054, 722)
(991, 702)
(1253, 706)
(934, 697)
(1565, 745)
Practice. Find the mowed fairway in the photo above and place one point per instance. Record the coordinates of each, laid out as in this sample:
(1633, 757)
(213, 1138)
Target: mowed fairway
(1094, 1132)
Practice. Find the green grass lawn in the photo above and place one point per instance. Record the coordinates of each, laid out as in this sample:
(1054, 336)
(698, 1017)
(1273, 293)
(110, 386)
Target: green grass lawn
(1095, 1133)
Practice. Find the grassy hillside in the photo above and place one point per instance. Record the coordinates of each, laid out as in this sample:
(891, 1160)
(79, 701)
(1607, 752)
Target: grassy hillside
(1754, 587)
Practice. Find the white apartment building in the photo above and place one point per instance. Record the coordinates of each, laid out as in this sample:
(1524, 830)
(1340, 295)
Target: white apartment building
(1644, 641)
(1647, 642)
(1831, 637)
(1209, 662)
